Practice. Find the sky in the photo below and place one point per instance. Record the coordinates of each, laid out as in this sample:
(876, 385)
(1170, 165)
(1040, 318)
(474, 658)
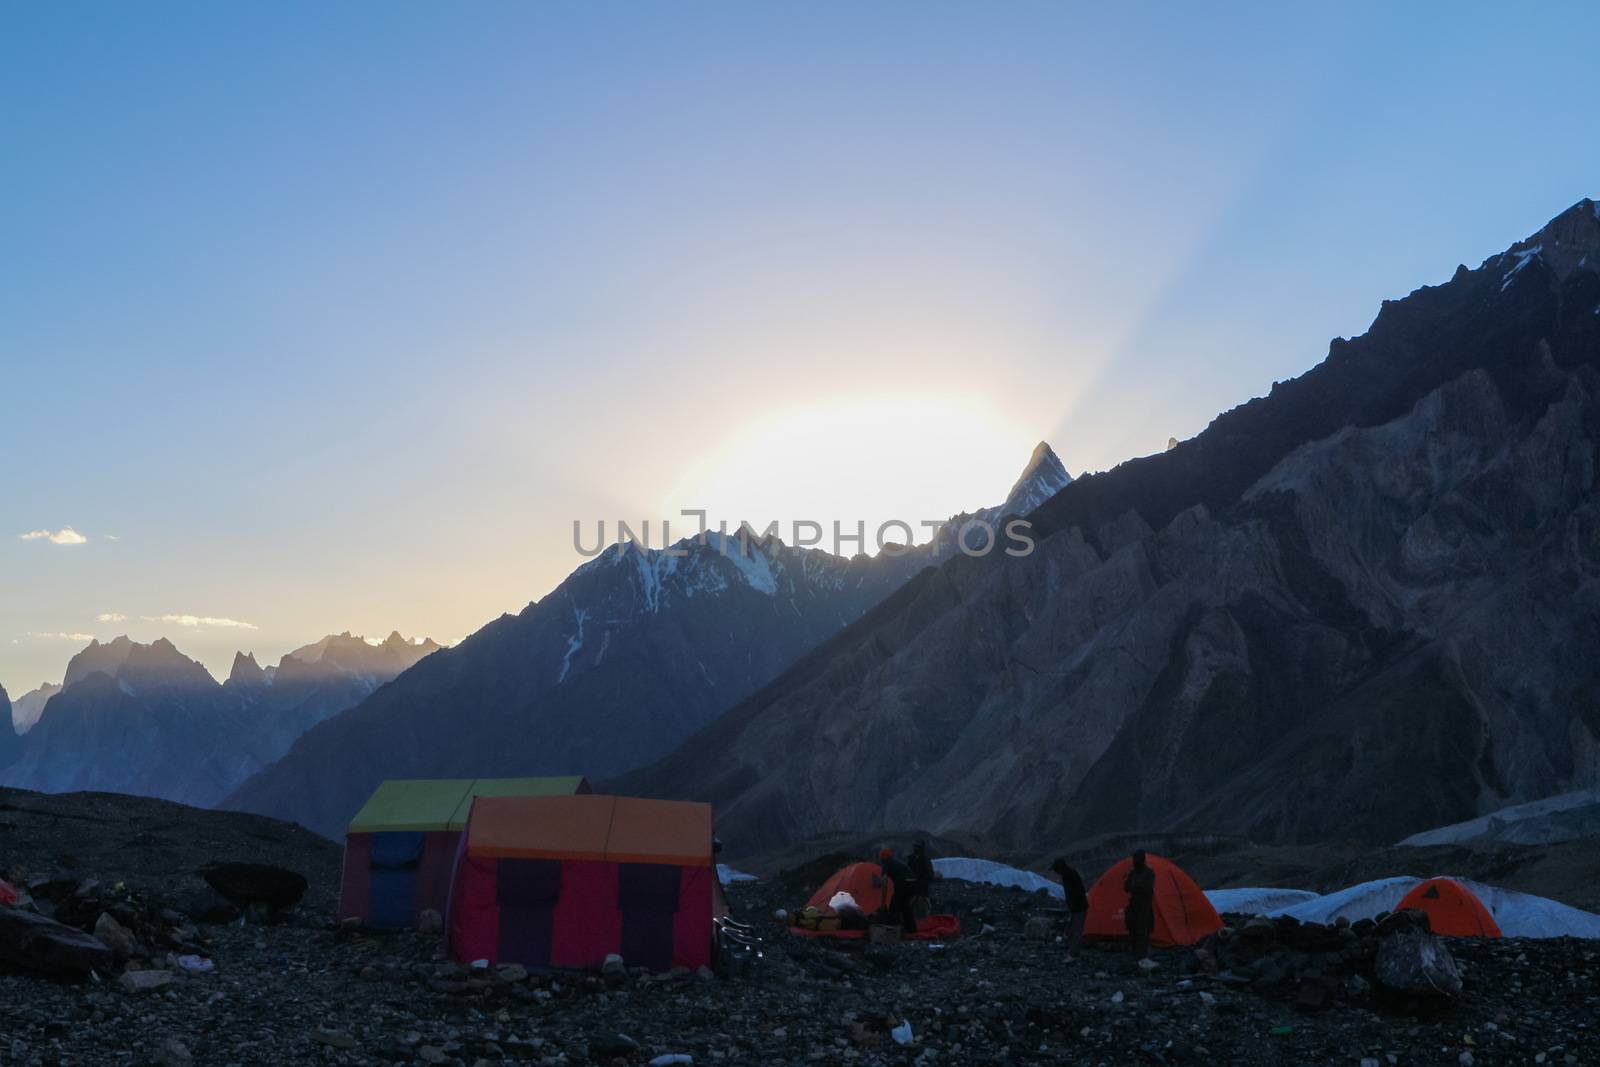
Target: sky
(325, 317)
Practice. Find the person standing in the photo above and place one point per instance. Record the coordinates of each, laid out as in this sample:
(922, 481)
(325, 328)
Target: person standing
(922, 876)
(898, 876)
(1140, 915)
(1077, 903)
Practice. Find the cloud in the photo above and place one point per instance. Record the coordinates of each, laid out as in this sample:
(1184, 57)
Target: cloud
(64, 536)
(58, 636)
(111, 616)
(192, 621)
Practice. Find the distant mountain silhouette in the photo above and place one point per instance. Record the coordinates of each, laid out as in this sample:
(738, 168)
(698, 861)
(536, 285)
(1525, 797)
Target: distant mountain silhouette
(26, 709)
(146, 719)
(10, 742)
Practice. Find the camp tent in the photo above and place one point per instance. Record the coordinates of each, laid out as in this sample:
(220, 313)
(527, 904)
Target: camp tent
(1452, 909)
(865, 882)
(563, 881)
(400, 846)
(1183, 914)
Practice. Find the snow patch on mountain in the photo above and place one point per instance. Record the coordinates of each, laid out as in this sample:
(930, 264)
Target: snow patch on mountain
(579, 615)
(752, 565)
(1523, 259)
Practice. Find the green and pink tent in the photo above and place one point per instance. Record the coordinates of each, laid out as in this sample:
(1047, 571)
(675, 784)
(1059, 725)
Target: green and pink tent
(401, 846)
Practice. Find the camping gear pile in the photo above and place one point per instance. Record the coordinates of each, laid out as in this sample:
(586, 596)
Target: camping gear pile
(846, 905)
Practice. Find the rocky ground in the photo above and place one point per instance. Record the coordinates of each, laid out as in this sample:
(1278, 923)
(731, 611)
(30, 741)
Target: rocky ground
(301, 990)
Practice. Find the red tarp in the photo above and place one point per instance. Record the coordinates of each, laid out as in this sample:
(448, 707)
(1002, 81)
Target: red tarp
(932, 928)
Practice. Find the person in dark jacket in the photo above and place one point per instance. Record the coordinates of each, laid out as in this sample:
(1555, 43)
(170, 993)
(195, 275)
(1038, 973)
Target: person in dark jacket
(898, 875)
(922, 876)
(1140, 885)
(1077, 903)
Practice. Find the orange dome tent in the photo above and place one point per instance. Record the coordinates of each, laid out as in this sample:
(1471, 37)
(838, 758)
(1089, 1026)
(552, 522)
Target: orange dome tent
(1183, 914)
(864, 881)
(1452, 909)
(872, 891)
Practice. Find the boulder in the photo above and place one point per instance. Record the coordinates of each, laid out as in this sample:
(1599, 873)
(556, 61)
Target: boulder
(40, 944)
(137, 982)
(511, 973)
(205, 905)
(246, 884)
(1414, 961)
(118, 938)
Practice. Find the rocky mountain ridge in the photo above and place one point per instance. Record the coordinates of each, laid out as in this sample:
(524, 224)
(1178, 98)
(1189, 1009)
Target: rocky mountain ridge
(1355, 607)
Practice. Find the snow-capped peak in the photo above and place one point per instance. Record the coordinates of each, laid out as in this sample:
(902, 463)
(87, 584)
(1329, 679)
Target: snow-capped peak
(1043, 477)
(1566, 243)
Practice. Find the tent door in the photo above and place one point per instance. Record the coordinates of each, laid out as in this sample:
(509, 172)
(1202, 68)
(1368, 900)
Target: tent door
(393, 863)
(647, 896)
(527, 893)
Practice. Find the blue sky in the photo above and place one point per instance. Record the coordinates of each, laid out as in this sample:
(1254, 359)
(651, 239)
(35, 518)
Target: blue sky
(337, 316)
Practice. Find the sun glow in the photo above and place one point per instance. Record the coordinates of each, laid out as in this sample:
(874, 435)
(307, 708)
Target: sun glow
(859, 461)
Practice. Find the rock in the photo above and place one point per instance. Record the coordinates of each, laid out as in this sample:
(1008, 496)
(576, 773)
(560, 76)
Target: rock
(432, 1054)
(1147, 965)
(429, 921)
(1312, 996)
(613, 964)
(245, 884)
(511, 973)
(138, 982)
(174, 1053)
(613, 1046)
(39, 944)
(205, 905)
(118, 938)
(1038, 928)
(1416, 962)
(333, 1038)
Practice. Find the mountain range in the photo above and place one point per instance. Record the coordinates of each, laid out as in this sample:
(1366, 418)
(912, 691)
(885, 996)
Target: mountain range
(146, 719)
(26, 709)
(632, 653)
(1363, 605)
